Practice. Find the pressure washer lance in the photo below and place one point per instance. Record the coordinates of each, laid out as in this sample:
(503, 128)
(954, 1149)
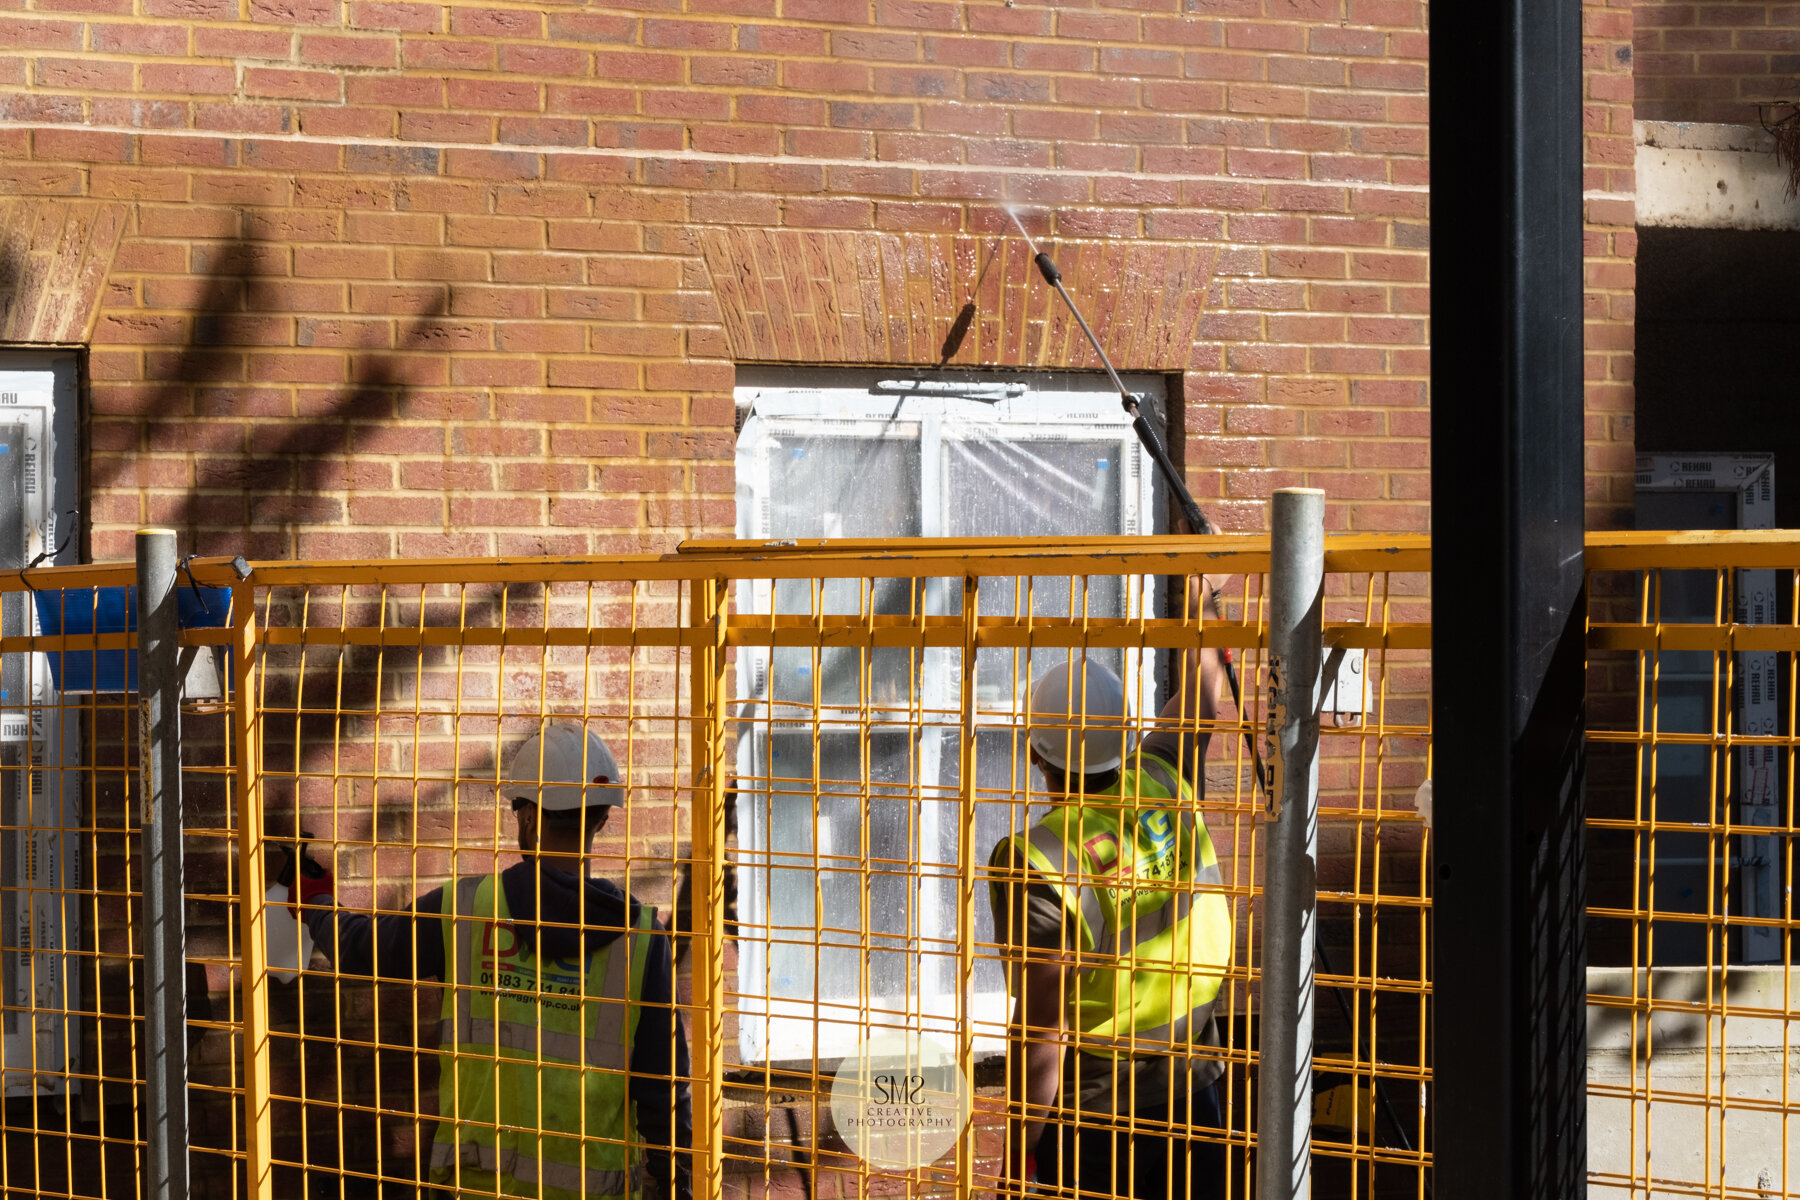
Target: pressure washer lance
(1198, 523)
(1146, 433)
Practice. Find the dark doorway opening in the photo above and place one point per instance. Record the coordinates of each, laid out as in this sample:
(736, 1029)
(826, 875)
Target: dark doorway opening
(1718, 347)
(1718, 373)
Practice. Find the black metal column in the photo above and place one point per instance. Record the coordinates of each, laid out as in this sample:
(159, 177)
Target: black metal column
(1509, 1102)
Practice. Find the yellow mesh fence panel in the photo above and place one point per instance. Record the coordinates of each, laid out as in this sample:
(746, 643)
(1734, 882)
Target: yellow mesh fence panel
(1693, 1004)
(72, 975)
(819, 750)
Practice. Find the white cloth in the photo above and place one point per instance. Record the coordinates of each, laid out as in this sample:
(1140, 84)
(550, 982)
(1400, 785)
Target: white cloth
(290, 943)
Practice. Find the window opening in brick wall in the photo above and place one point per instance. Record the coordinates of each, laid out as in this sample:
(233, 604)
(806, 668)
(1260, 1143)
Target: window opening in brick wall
(886, 454)
(39, 802)
(1691, 783)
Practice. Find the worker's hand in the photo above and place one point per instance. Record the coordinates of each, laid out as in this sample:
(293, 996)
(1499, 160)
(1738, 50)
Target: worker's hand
(1028, 1175)
(1018, 1164)
(313, 883)
(1200, 590)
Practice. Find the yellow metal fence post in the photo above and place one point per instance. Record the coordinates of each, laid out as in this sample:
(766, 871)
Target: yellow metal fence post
(965, 891)
(708, 816)
(252, 960)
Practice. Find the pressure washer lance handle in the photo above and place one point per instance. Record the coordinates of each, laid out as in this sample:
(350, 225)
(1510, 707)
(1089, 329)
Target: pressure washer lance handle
(1146, 432)
(1197, 523)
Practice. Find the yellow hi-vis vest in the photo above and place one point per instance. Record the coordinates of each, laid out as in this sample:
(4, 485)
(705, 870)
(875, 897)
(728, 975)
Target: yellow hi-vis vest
(1153, 950)
(533, 1092)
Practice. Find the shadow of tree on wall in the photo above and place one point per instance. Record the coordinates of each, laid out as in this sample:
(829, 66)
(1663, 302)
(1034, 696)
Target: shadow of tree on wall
(266, 472)
(335, 750)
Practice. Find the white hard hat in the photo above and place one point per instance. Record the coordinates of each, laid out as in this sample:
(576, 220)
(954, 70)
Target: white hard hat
(1078, 711)
(563, 766)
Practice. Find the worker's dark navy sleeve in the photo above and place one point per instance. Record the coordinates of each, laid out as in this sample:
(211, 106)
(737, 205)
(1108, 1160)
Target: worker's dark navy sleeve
(405, 945)
(659, 1074)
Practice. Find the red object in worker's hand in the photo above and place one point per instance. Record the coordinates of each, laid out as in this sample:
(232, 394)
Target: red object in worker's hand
(313, 884)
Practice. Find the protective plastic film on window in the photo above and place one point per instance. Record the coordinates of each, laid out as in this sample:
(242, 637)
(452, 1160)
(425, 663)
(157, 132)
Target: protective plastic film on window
(39, 810)
(824, 780)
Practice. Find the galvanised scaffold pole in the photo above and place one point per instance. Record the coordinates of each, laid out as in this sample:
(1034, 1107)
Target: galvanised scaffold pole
(1290, 884)
(165, 925)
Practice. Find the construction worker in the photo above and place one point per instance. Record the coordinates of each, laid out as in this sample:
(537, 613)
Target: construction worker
(564, 1067)
(1114, 957)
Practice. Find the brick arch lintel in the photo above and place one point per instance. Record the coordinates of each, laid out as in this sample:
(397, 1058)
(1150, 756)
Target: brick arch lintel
(807, 296)
(55, 253)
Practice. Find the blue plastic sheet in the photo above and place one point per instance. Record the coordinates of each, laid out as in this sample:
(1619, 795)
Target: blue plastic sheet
(114, 610)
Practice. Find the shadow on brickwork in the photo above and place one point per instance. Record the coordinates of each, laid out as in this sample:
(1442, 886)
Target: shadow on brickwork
(256, 481)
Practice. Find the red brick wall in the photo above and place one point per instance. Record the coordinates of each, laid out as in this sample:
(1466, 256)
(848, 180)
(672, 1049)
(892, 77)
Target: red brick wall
(326, 199)
(1714, 62)
(1610, 246)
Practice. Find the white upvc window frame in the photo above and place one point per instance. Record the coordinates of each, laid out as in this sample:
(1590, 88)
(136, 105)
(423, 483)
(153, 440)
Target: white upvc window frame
(1027, 407)
(38, 391)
